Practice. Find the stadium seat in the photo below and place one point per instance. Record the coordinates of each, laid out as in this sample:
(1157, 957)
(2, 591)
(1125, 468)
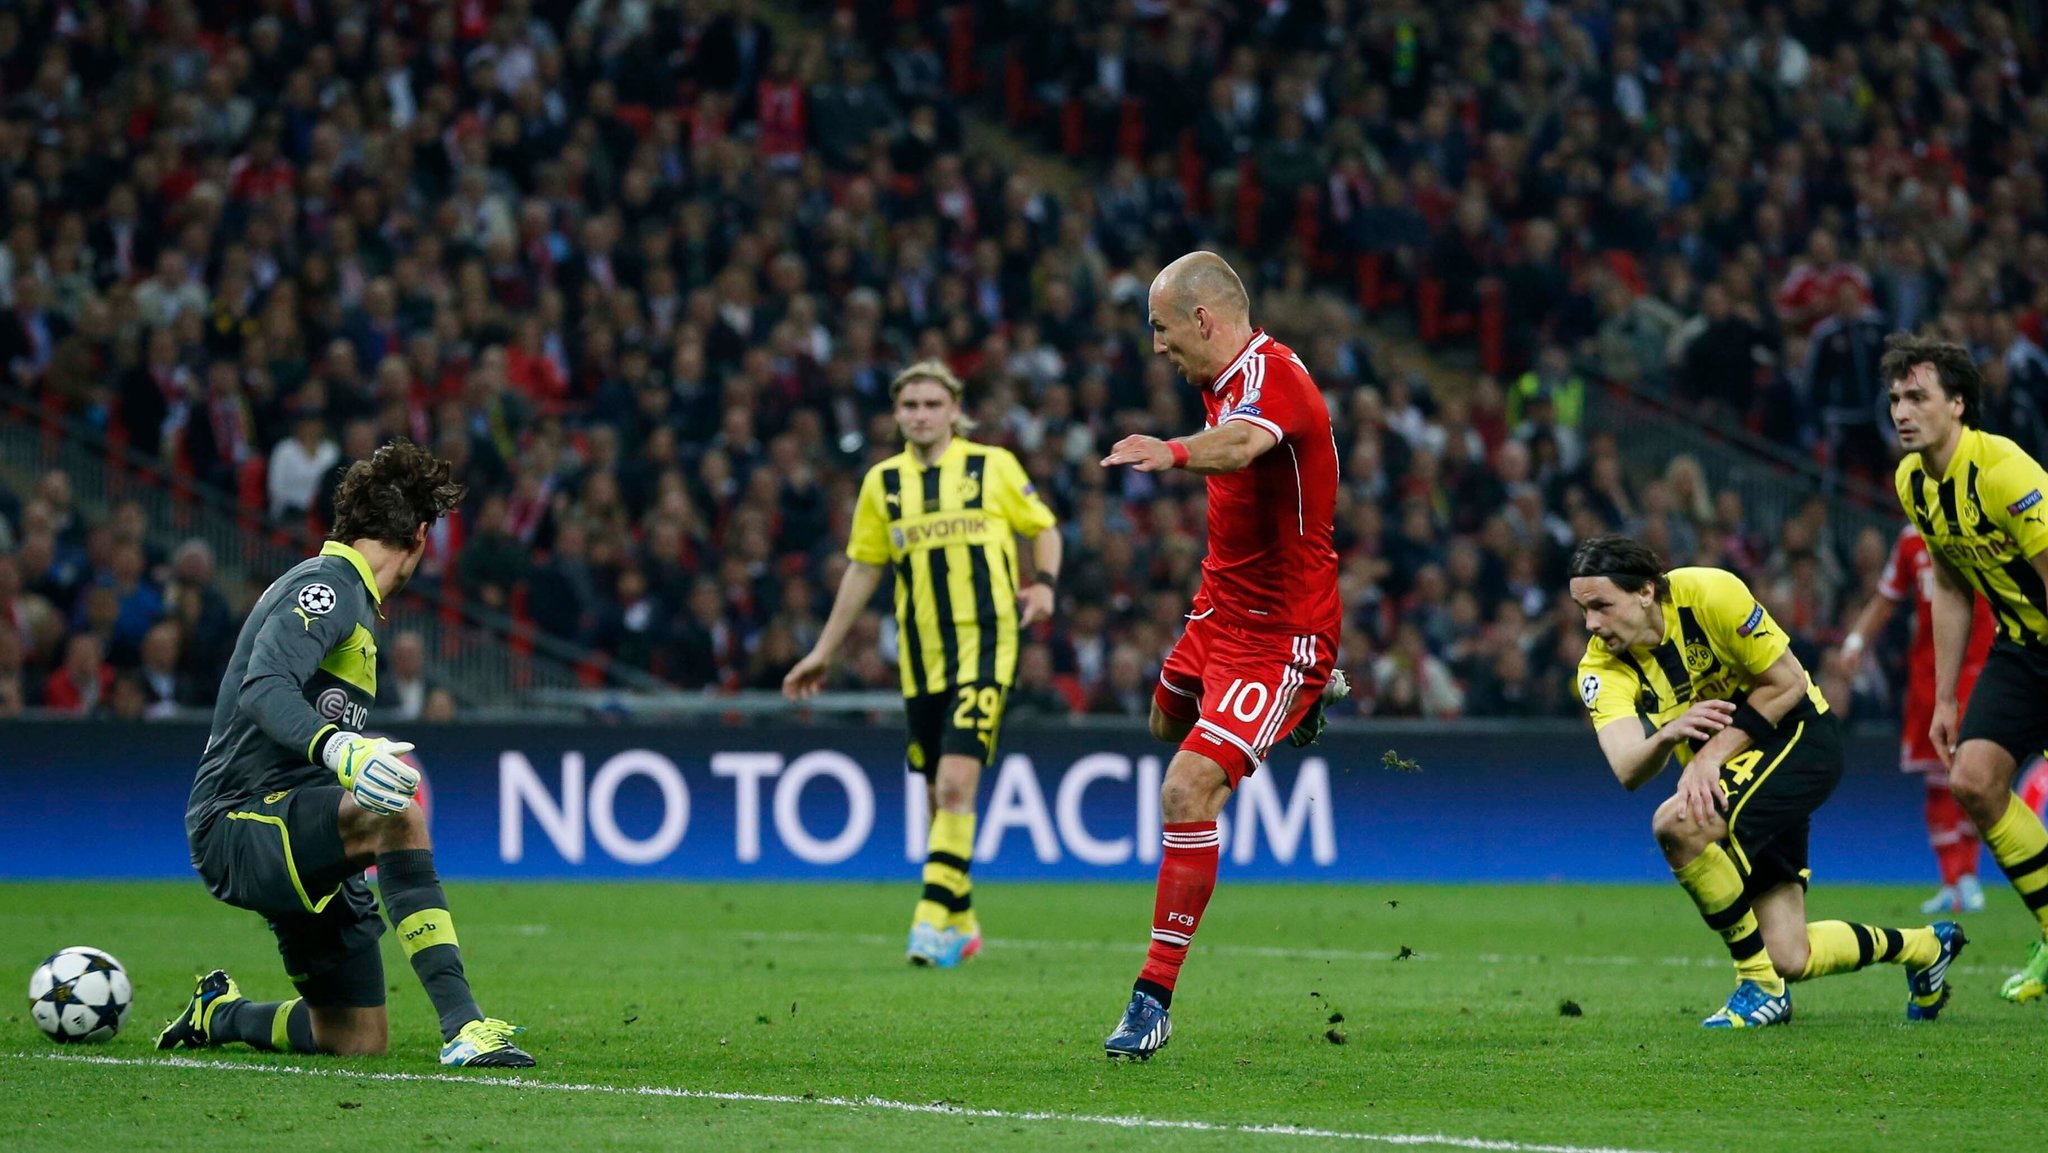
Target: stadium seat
(1194, 182)
(1249, 200)
(638, 117)
(448, 605)
(1130, 130)
(961, 79)
(1016, 89)
(1493, 326)
(1375, 290)
(1073, 128)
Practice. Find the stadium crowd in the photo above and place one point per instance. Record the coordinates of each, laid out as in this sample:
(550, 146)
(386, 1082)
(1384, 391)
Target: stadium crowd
(644, 270)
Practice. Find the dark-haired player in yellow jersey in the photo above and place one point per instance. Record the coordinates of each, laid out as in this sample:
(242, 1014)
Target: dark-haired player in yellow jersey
(1687, 664)
(1978, 499)
(945, 513)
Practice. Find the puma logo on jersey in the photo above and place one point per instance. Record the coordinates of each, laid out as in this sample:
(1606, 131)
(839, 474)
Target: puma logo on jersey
(301, 614)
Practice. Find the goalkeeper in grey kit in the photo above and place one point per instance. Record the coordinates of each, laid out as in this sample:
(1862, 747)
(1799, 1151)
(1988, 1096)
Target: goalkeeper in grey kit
(292, 802)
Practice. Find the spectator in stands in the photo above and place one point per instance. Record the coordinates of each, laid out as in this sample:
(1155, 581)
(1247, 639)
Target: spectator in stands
(82, 681)
(402, 684)
(590, 251)
(1035, 696)
(165, 687)
(201, 611)
(298, 464)
(1841, 377)
(440, 707)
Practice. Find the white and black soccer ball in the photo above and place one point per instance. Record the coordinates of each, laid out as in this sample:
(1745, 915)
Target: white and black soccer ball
(80, 994)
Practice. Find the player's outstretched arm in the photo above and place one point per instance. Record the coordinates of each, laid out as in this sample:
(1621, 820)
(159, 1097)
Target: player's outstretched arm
(1838, 668)
(855, 587)
(1226, 448)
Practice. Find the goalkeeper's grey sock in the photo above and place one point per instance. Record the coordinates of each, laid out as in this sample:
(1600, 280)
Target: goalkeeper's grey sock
(418, 910)
(278, 1026)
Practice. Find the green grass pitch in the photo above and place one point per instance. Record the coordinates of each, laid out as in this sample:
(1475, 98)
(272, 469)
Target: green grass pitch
(741, 1016)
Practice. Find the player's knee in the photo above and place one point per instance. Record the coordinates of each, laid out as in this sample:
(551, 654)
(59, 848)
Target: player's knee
(956, 782)
(349, 1032)
(1791, 966)
(1676, 832)
(406, 830)
(1976, 782)
(356, 1046)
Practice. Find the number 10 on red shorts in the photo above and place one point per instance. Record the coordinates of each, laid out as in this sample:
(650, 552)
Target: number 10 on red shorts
(1241, 689)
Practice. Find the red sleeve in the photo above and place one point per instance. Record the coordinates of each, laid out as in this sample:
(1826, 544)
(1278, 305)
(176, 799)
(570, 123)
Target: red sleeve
(1896, 583)
(1276, 397)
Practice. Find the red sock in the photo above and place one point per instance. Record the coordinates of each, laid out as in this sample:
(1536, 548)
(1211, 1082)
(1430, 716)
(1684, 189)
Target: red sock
(1956, 847)
(1187, 875)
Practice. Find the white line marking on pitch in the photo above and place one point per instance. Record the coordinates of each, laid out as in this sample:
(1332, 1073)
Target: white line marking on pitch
(1424, 1140)
(1278, 952)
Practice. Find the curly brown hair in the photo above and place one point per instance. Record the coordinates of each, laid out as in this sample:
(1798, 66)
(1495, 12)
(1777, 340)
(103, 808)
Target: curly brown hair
(389, 496)
(1953, 367)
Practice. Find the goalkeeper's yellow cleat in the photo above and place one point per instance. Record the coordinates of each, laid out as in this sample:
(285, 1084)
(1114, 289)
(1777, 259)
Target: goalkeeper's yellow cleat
(2032, 979)
(192, 1027)
(486, 1044)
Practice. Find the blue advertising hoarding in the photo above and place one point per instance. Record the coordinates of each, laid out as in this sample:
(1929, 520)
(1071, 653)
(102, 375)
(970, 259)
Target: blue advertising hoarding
(833, 802)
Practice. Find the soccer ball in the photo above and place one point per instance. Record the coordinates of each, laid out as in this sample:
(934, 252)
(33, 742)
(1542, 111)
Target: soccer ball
(79, 994)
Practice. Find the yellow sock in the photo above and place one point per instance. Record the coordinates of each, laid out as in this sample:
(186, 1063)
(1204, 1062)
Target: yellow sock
(948, 893)
(1716, 887)
(1841, 947)
(2020, 846)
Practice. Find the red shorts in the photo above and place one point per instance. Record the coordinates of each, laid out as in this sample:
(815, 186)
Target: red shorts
(1241, 690)
(1916, 748)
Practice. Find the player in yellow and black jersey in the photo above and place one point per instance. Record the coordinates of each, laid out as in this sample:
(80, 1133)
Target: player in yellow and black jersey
(945, 515)
(1978, 499)
(1688, 664)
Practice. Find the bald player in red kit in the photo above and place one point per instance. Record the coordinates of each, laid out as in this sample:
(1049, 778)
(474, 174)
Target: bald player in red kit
(1257, 660)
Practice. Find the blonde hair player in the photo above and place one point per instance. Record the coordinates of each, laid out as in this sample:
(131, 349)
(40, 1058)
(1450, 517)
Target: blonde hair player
(944, 515)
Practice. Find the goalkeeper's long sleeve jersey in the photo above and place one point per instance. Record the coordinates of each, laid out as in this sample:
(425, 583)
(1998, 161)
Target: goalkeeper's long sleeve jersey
(304, 665)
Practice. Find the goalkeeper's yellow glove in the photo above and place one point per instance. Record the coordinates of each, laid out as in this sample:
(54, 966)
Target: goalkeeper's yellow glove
(369, 768)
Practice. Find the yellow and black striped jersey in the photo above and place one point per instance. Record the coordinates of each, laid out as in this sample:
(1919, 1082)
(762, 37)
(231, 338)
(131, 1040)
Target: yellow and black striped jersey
(950, 531)
(1985, 517)
(1718, 641)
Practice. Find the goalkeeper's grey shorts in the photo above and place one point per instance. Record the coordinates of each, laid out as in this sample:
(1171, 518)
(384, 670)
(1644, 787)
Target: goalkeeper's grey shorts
(281, 855)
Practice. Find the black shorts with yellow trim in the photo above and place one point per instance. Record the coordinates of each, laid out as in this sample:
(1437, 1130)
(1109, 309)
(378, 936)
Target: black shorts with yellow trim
(281, 855)
(963, 721)
(2006, 706)
(1773, 789)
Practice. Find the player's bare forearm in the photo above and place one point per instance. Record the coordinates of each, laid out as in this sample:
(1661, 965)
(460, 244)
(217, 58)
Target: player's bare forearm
(1047, 550)
(1229, 446)
(1780, 689)
(1953, 611)
(1635, 758)
(1876, 614)
(1775, 695)
(856, 586)
(1226, 448)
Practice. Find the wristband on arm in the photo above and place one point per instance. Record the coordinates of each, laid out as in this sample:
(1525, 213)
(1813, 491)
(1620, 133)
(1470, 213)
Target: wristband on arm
(1752, 722)
(1180, 453)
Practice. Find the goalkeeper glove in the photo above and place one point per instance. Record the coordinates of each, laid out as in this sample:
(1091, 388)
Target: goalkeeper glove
(370, 770)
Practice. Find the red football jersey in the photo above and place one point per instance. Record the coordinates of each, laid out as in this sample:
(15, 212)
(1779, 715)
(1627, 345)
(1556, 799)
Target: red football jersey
(1271, 565)
(1909, 575)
